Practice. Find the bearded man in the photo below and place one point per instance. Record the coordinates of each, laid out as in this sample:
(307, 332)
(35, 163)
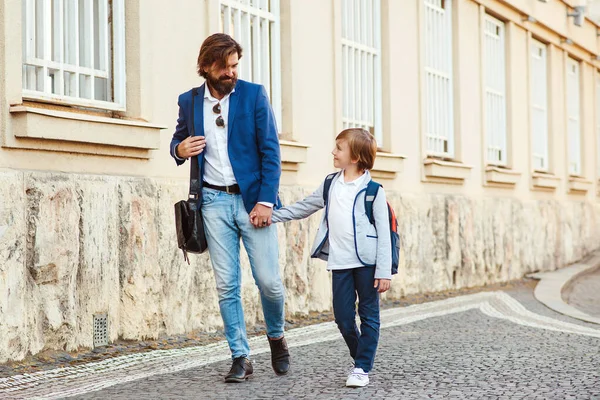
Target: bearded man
(229, 124)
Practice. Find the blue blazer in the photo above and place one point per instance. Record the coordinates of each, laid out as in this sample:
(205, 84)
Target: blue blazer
(252, 140)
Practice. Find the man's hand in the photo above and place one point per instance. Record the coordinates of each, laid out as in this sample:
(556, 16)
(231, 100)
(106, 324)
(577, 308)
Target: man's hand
(382, 285)
(190, 147)
(260, 216)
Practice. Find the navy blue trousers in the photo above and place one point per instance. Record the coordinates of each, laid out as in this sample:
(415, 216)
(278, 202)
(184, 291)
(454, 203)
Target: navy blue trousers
(347, 284)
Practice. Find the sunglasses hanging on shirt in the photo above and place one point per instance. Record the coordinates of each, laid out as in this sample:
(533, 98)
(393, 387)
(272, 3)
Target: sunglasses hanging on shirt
(219, 121)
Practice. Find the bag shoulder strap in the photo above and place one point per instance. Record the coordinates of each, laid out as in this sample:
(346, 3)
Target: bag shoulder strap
(194, 164)
(327, 186)
(370, 194)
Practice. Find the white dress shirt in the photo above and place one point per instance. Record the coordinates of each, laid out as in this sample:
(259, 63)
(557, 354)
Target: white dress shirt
(217, 167)
(342, 252)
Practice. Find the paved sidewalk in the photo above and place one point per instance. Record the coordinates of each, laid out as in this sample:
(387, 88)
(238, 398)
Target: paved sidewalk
(584, 293)
(50, 360)
(495, 345)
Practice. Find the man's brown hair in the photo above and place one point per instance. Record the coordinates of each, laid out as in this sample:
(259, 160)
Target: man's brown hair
(363, 146)
(217, 48)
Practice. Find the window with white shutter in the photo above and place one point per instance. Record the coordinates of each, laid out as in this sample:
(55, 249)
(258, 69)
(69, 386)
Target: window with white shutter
(74, 52)
(494, 55)
(361, 66)
(539, 105)
(255, 24)
(437, 52)
(574, 116)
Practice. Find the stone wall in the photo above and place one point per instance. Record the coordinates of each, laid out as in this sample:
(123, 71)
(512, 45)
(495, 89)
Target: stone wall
(75, 245)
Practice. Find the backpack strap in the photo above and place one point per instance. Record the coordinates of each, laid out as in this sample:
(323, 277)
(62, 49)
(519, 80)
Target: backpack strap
(327, 186)
(370, 194)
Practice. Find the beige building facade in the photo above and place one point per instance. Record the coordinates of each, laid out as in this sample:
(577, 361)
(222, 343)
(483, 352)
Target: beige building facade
(487, 114)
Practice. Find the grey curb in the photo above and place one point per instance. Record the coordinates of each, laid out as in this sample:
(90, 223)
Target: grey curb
(549, 290)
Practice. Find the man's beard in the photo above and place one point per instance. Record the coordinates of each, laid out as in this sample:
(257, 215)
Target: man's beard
(223, 85)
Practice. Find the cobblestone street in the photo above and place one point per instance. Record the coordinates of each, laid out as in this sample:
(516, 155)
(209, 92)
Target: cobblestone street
(480, 346)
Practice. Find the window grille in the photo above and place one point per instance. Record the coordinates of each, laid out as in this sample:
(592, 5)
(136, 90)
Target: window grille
(74, 52)
(495, 90)
(539, 105)
(255, 24)
(361, 65)
(439, 108)
(574, 116)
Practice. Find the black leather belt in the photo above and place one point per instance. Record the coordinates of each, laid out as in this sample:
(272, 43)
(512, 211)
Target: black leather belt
(233, 189)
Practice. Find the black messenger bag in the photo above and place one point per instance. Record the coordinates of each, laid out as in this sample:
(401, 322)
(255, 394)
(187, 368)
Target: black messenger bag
(189, 225)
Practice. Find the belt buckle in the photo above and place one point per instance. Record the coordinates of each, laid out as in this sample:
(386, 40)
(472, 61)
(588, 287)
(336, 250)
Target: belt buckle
(227, 190)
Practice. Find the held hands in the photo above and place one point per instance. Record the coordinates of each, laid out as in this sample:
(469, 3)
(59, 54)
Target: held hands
(190, 147)
(260, 216)
(382, 285)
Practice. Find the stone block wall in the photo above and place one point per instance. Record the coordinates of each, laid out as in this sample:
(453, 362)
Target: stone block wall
(74, 245)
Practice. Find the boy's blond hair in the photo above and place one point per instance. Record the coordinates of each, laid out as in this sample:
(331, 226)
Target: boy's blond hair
(363, 146)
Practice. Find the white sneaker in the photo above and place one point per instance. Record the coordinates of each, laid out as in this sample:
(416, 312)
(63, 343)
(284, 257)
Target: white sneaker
(357, 378)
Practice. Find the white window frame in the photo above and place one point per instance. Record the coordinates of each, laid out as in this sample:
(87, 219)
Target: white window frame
(494, 61)
(255, 24)
(46, 64)
(438, 82)
(573, 77)
(361, 66)
(538, 93)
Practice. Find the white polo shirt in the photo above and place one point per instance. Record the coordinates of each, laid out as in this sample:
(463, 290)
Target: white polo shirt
(342, 252)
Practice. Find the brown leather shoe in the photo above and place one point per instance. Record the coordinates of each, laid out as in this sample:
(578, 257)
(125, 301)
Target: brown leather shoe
(280, 356)
(241, 369)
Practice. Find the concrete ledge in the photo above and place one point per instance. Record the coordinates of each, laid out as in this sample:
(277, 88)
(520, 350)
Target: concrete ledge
(440, 171)
(387, 165)
(579, 185)
(504, 177)
(292, 154)
(544, 181)
(549, 290)
(68, 127)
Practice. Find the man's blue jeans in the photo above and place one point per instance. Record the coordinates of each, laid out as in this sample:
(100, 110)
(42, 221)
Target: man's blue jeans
(346, 284)
(226, 221)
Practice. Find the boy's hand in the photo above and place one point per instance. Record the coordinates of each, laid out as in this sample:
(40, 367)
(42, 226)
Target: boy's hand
(382, 285)
(254, 219)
